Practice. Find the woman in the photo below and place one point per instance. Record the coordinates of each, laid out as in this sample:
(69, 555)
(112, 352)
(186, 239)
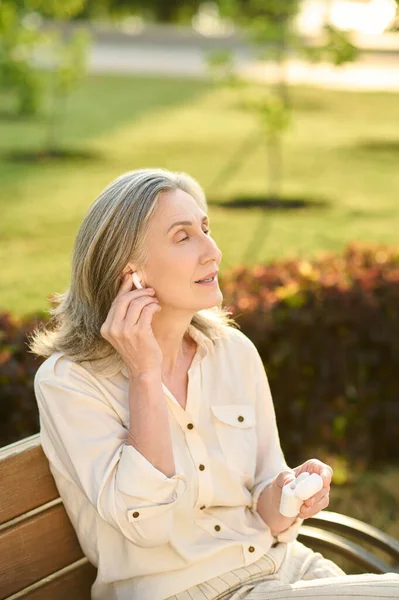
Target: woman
(157, 419)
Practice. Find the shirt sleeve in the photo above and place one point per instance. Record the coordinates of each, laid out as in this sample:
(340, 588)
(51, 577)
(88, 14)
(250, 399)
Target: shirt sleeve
(270, 458)
(85, 440)
(291, 533)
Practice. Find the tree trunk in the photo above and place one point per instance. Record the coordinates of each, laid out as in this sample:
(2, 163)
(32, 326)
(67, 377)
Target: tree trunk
(275, 167)
(167, 12)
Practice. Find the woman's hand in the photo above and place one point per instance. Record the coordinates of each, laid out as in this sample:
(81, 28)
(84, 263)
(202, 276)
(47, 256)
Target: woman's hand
(128, 328)
(317, 502)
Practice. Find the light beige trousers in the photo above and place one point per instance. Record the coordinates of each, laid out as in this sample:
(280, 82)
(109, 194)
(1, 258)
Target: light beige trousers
(290, 571)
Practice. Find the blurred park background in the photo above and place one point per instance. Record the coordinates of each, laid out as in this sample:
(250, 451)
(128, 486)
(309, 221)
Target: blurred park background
(287, 113)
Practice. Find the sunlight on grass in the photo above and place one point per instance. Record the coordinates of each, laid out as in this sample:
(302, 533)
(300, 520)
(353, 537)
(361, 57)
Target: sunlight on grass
(334, 154)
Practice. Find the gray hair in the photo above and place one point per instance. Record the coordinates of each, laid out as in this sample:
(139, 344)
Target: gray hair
(113, 233)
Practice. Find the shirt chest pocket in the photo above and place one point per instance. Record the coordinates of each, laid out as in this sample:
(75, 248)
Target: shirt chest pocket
(236, 432)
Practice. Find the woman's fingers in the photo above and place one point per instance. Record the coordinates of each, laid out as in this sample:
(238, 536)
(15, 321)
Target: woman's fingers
(317, 497)
(310, 511)
(126, 296)
(318, 501)
(126, 286)
(146, 316)
(126, 282)
(315, 465)
(129, 307)
(284, 477)
(128, 318)
(117, 313)
(134, 311)
(121, 303)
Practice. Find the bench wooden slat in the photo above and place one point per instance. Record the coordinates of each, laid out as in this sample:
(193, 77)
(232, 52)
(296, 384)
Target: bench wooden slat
(35, 547)
(28, 479)
(40, 556)
(74, 581)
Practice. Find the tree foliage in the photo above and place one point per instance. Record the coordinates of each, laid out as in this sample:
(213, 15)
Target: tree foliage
(21, 40)
(161, 11)
(270, 26)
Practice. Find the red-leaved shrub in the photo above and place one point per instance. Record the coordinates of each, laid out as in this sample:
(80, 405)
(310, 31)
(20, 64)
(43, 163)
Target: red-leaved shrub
(328, 333)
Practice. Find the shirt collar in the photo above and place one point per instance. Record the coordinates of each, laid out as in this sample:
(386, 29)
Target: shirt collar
(204, 344)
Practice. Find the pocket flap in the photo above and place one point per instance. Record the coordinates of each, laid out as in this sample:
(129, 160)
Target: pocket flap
(237, 415)
(147, 512)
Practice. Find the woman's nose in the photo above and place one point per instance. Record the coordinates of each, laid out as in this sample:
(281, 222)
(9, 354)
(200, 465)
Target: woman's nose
(213, 250)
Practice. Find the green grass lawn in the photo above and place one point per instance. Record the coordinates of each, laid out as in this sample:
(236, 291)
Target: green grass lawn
(342, 151)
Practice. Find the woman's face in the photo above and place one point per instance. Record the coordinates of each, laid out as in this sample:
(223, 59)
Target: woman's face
(180, 255)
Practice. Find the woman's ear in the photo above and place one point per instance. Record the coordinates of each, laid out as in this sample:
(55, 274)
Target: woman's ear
(122, 275)
(129, 268)
(137, 277)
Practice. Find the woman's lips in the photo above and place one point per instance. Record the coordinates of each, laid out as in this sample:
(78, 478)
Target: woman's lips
(213, 282)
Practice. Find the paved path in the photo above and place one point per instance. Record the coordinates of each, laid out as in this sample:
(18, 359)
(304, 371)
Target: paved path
(181, 51)
(369, 72)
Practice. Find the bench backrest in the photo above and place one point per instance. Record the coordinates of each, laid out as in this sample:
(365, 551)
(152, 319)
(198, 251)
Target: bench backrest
(41, 559)
(40, 556)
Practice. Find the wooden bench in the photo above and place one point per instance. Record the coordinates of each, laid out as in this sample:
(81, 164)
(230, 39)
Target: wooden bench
(41, 559)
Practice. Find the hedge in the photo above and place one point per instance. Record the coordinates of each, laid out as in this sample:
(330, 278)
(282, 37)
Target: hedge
(327, 330)
(328, 334)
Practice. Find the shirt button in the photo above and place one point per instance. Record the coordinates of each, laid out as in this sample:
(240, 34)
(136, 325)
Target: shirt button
(217, 527)
(240, 418)
(251, 549)
(201, 467)
(136, 514)
(190, 426)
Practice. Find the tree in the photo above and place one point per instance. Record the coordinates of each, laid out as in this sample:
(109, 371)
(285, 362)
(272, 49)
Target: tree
(270, 26)
(20, 38)
(69, 68)
(161, 11)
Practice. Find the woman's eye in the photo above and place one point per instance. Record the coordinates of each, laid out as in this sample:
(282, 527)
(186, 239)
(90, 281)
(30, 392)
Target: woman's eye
(186, 238)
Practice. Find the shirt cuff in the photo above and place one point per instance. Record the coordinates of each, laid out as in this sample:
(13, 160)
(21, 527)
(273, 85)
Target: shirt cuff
(291, 533)
(138, 477)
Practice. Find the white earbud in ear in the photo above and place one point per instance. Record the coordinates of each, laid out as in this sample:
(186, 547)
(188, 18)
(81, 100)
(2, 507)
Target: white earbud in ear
(136, 281)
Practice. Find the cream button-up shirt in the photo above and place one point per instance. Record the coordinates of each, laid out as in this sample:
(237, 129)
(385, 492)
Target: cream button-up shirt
(151, 536)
